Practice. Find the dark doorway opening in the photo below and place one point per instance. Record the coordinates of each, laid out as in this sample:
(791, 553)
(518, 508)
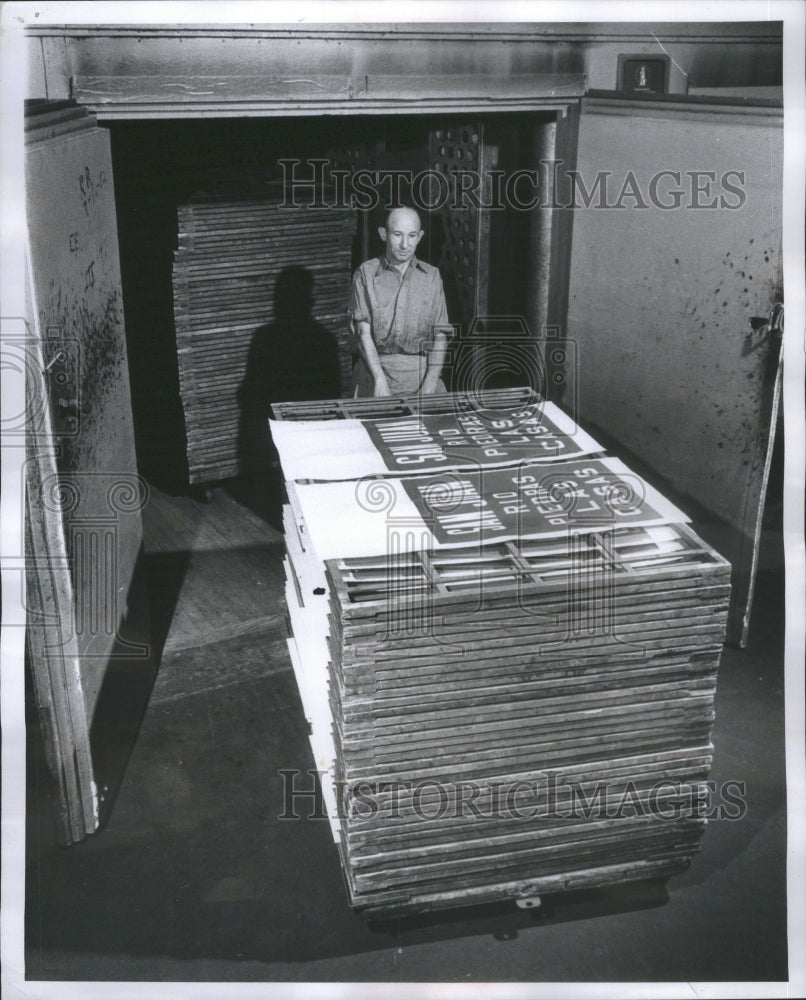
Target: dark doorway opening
(160, 165)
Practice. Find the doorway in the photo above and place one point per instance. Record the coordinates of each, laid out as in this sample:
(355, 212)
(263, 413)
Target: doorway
(161, 166)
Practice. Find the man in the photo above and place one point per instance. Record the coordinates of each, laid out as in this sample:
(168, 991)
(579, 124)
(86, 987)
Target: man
(399, 316)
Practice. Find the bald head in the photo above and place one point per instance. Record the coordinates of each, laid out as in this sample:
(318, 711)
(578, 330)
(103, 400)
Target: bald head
(401, 234)
(403, 217)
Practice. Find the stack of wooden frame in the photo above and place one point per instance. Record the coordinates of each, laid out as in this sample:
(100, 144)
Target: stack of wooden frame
(255, 285)
(511, 718)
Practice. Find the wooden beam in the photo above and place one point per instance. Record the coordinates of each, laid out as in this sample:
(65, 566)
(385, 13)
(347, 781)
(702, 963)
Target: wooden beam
(160, 88)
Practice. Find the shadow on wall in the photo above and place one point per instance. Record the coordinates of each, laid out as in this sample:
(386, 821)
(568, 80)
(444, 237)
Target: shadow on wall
(292, 358)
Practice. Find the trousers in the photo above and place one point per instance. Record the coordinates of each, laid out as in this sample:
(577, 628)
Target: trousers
(404, 373)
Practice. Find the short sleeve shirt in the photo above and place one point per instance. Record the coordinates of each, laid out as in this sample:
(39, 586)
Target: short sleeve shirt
(404, 311)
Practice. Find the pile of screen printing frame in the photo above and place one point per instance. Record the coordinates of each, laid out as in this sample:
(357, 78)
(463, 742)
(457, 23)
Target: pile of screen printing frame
(230, 258)
(549, 732)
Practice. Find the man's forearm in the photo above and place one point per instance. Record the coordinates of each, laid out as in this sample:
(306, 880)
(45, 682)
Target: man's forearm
(436, 360)
(369, 353)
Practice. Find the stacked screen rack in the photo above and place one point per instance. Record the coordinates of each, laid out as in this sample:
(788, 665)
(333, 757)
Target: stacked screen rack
(499, 707)
(250, 278)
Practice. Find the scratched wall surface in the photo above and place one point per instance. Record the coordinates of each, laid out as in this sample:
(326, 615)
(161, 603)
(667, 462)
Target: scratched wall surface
(661, 298)
(74, 250)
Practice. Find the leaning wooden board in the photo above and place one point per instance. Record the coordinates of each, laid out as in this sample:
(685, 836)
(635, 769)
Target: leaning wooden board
(508, 718)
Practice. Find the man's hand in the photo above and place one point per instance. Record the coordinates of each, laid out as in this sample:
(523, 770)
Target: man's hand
(381, 387)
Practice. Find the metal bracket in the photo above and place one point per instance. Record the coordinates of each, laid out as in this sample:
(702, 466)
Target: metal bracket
(528, 903)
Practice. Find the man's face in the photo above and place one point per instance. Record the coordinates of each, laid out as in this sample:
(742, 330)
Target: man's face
(401, 236)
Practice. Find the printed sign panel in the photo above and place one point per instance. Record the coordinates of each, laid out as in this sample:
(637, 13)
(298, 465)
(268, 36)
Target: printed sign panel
(468, 438)
(372, 516)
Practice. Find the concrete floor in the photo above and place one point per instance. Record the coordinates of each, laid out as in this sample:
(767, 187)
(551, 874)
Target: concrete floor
(195, 878)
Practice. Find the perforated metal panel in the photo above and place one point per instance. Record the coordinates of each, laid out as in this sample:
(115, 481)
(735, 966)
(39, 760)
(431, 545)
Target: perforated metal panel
(352, 157)
(457, 151)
